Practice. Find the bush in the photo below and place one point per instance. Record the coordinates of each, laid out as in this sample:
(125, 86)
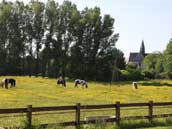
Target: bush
(131, 75)
(124, 75)
(149, 75)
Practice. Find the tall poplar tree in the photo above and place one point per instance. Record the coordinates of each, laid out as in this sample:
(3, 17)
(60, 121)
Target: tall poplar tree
(38, 31)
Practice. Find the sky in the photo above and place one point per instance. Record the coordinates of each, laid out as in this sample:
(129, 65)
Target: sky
(135, 20)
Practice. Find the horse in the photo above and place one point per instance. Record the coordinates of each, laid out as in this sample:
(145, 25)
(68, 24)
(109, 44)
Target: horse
(12, 82)
(2, 83)
(82, 82)
(134, 86)
(6, 81)
(62, 81)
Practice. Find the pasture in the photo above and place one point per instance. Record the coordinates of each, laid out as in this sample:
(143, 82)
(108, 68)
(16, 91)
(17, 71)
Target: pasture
(45, 92)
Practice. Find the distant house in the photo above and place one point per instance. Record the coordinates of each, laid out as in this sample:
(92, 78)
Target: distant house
(137, 58)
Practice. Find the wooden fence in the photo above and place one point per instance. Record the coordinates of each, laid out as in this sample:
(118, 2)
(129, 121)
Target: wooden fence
(78, 107)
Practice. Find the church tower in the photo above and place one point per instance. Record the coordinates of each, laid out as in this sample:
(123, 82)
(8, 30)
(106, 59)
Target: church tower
(142, 48)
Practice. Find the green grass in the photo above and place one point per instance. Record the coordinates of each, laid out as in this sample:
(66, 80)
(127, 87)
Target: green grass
(45, 92)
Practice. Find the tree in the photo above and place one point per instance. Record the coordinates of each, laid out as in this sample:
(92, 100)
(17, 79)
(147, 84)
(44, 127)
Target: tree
(76, 66)
(117, 62)
(154, 65)
(49, 25)
(38, 31)
(63, 33)
(96, 38)
(107, 51)
(5, 12)
(168, 66)
(150, 62)
(168, 50)
(168, 60)
(16, 38)
(57, 39)
(28, 30)
(159, 67)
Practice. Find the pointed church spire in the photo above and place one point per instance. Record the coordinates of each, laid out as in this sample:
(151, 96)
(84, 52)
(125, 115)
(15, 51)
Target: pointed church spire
(142, 48)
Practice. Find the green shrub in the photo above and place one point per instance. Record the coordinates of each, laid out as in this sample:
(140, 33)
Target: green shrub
(131, 75)
(149, 75)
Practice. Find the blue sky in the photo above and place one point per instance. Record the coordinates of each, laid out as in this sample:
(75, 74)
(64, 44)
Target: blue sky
(136, 20)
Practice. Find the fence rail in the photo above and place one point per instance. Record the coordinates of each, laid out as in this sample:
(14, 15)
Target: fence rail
(78, 107)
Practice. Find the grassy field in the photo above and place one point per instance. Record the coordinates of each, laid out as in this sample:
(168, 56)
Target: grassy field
(45, 92)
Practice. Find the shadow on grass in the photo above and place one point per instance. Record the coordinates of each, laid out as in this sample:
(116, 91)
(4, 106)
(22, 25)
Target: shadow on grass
(118, 83)
(145, 124)
(125, 124)
(153, 83)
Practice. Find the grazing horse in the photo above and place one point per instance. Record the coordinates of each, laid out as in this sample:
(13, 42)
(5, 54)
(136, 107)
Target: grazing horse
(6, 81)
(2, 83)
(12, 82)
(82, 82)
(62, 81)
(134, 86)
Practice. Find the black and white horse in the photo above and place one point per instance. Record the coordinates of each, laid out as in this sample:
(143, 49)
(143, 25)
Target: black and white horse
(62, 81)
(82, 82)
(6, 81)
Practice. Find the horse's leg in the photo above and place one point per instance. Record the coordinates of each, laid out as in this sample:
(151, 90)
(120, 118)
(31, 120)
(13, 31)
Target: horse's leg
(64, 83)
(2, 84)
(6, 85)
(82, 85)
(11, 82)
(14, 83)
(86, 86)
(76, 84)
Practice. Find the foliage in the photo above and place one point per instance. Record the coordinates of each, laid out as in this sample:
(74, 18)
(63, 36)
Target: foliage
(51, 39)
(154, 65)
(159, 65)
(168, 50)
(131, 73)
(148, 74)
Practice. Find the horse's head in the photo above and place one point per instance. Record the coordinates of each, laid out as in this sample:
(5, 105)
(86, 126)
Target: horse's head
(2, 83)
(59, 81)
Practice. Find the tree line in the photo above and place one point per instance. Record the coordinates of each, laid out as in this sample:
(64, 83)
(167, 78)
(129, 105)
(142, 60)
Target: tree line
(49, 39)
(159, 64)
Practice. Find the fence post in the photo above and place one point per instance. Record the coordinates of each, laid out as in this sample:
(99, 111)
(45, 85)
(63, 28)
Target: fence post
(118, 113)
(77, 116)
(29, 116)
(150, 112)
